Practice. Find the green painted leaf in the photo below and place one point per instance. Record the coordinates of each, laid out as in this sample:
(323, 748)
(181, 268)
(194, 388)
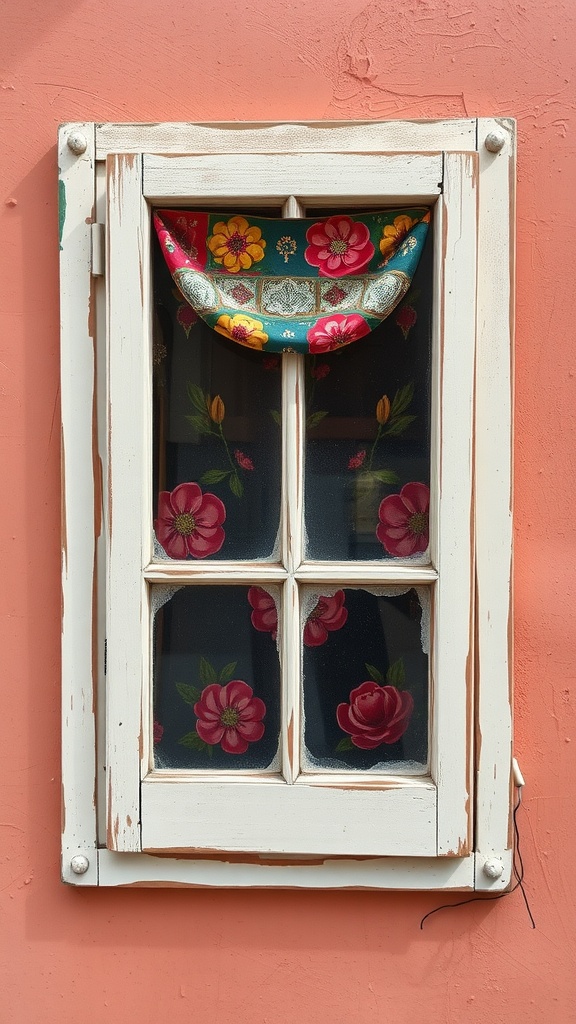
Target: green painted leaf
(200, 423)
(214, 476)
(236, 485)
(193, 742)
(276, 416)
(315, 419)
(385, 476)
(227, 672)
(207, 673)
(375, 674)
(402, 399)
(197, 397)
(396, 674)
(190, 694)
(399, 426)
(345, 744)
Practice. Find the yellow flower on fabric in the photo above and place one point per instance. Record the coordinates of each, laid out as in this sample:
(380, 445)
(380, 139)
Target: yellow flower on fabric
(394, 233)
(236, 245)
(242, 329)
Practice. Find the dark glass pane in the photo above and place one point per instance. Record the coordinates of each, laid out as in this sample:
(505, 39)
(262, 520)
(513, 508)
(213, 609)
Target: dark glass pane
(216, 678)
(216, 428)
(368, 436)
(366, 680)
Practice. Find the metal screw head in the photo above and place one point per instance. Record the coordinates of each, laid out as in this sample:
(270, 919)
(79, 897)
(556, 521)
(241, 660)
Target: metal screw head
(493, 868)
(77, 143)
(79, 864)
(495, 140)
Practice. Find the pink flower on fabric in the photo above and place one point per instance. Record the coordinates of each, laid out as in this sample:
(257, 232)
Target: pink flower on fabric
(328, 615)
(230, 715)
(330, 332)
(338, 246)
(403, 526)
(158, 731)
(243, 460)
(182, 236)
(271, 362)
(189, 523)
(357, 460)
(264, 615)
(375, 715)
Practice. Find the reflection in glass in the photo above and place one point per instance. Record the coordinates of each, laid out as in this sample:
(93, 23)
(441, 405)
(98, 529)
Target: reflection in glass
(217, 437)
(365, 687)
(216, 677)
(368, 436)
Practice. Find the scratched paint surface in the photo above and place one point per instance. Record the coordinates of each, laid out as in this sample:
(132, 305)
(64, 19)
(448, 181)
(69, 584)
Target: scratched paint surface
(142, 956)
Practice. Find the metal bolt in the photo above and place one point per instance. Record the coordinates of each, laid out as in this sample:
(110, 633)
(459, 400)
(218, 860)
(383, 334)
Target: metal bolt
(77, 143)
(79, 864)
(495, 141)
(493, 867)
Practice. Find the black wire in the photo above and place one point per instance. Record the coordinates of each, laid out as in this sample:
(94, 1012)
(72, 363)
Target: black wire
(517, 869)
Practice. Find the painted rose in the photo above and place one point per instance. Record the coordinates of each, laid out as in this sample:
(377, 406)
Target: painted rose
(403, 526)
(236, 245)
(375, 715)
(320, 371)
(264, 614)
(243, 460)
(189, 523)
(230, 715)
(357, 460)
(393, 234)
(332, 332)
(338, 246)
(158, 731)
(242, 329)
(328, 615)
(406, 317)
(186, 317)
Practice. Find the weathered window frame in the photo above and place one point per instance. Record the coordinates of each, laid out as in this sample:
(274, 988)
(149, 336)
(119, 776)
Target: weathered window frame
(83, 149)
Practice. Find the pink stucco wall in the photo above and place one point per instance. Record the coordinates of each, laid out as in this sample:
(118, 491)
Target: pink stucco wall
(146, 956)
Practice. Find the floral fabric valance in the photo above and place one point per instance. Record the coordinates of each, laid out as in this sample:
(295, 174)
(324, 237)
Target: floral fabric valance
(309, 285)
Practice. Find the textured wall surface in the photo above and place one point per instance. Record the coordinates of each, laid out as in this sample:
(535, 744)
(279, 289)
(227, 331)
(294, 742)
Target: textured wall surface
(279, 957)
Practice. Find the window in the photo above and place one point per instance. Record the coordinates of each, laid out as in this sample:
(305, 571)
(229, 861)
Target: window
(228, 686)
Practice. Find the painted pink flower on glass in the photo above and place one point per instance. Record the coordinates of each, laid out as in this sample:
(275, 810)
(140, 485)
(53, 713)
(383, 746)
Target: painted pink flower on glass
(406, 317)
(403, 526)
(320, 371)
(375, 715)
(158, 731)
(243, 460)
(230, 715)
(328, 615)
(338, 246)
(189, 522)
(331, 332)
(264, 615)
(357, 460)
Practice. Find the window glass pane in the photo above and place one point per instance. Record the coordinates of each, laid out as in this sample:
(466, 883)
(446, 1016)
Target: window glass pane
(365, 666)
(217, 437)
(368, 436)
(216, 677)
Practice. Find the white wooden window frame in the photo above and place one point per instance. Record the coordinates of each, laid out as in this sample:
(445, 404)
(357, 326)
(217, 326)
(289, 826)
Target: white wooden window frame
(435, 832)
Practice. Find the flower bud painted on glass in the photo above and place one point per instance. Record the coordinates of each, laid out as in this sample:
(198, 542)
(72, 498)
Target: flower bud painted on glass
(383, 410)
(217, 409)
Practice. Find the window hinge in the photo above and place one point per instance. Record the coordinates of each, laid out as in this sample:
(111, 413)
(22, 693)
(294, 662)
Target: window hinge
(105, 656)
(98, 249)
